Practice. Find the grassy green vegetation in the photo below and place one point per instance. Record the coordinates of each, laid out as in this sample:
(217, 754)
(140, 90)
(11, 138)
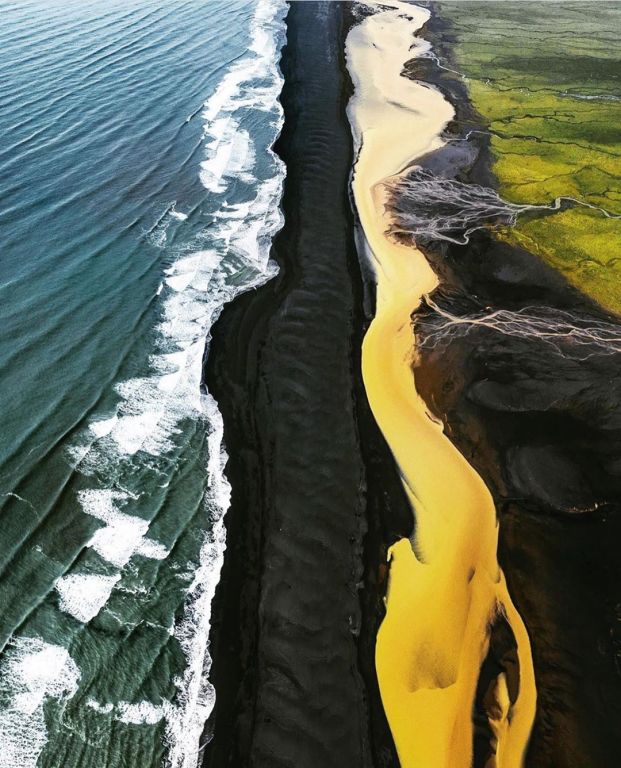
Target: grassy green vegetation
(546, 76)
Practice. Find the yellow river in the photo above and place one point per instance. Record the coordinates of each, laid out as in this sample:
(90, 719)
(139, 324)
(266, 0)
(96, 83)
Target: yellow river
(445, 586)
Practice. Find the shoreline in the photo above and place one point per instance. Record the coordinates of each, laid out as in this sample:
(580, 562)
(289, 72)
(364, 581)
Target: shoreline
(271, 349)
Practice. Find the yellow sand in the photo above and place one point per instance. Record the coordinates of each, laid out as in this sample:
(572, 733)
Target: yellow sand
(446, 586)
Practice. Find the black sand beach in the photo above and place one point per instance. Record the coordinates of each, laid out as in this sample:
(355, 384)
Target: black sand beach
(300, 599)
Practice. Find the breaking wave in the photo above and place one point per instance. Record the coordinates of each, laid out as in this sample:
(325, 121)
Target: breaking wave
(126, 454)
(31, 672)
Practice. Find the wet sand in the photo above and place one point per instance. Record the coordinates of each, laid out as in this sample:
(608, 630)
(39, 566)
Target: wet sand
(446, 591)
(293, 659)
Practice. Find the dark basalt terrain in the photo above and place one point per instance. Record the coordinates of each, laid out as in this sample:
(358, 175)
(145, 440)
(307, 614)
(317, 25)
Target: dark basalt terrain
(297, 609)
(543, 430)
(540, 420)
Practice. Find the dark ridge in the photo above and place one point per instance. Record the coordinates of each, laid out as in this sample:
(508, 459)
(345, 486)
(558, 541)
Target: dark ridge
(501, 659)
(300, 597)
(544, 432)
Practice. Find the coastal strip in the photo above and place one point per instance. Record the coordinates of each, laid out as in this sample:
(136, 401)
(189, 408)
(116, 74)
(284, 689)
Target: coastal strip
(447, 596)
(110, 564)
(293, 630)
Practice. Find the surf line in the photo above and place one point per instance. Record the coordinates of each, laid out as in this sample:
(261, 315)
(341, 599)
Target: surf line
(446, 591)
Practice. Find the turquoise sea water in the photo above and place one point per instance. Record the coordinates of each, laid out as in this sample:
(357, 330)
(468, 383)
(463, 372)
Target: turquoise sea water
(139, 194)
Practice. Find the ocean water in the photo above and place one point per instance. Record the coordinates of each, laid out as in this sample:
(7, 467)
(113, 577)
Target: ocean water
(139, 194)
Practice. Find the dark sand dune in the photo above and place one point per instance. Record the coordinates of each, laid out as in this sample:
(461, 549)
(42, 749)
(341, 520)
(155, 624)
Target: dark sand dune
(284, 367)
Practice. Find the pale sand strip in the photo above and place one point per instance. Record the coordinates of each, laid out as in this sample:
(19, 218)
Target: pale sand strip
(446, 586)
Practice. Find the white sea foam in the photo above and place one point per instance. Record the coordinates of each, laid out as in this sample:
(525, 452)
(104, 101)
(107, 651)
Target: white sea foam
(123, 535)
(231, 154)
(83, 595)
(103, 709)
(31, 671)
(229, 257)
(196, 696)
(245, 230)
(142, 713)
(138, 713)
(158, 234)
(179, 215)
(152, 549)
(103, 427)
